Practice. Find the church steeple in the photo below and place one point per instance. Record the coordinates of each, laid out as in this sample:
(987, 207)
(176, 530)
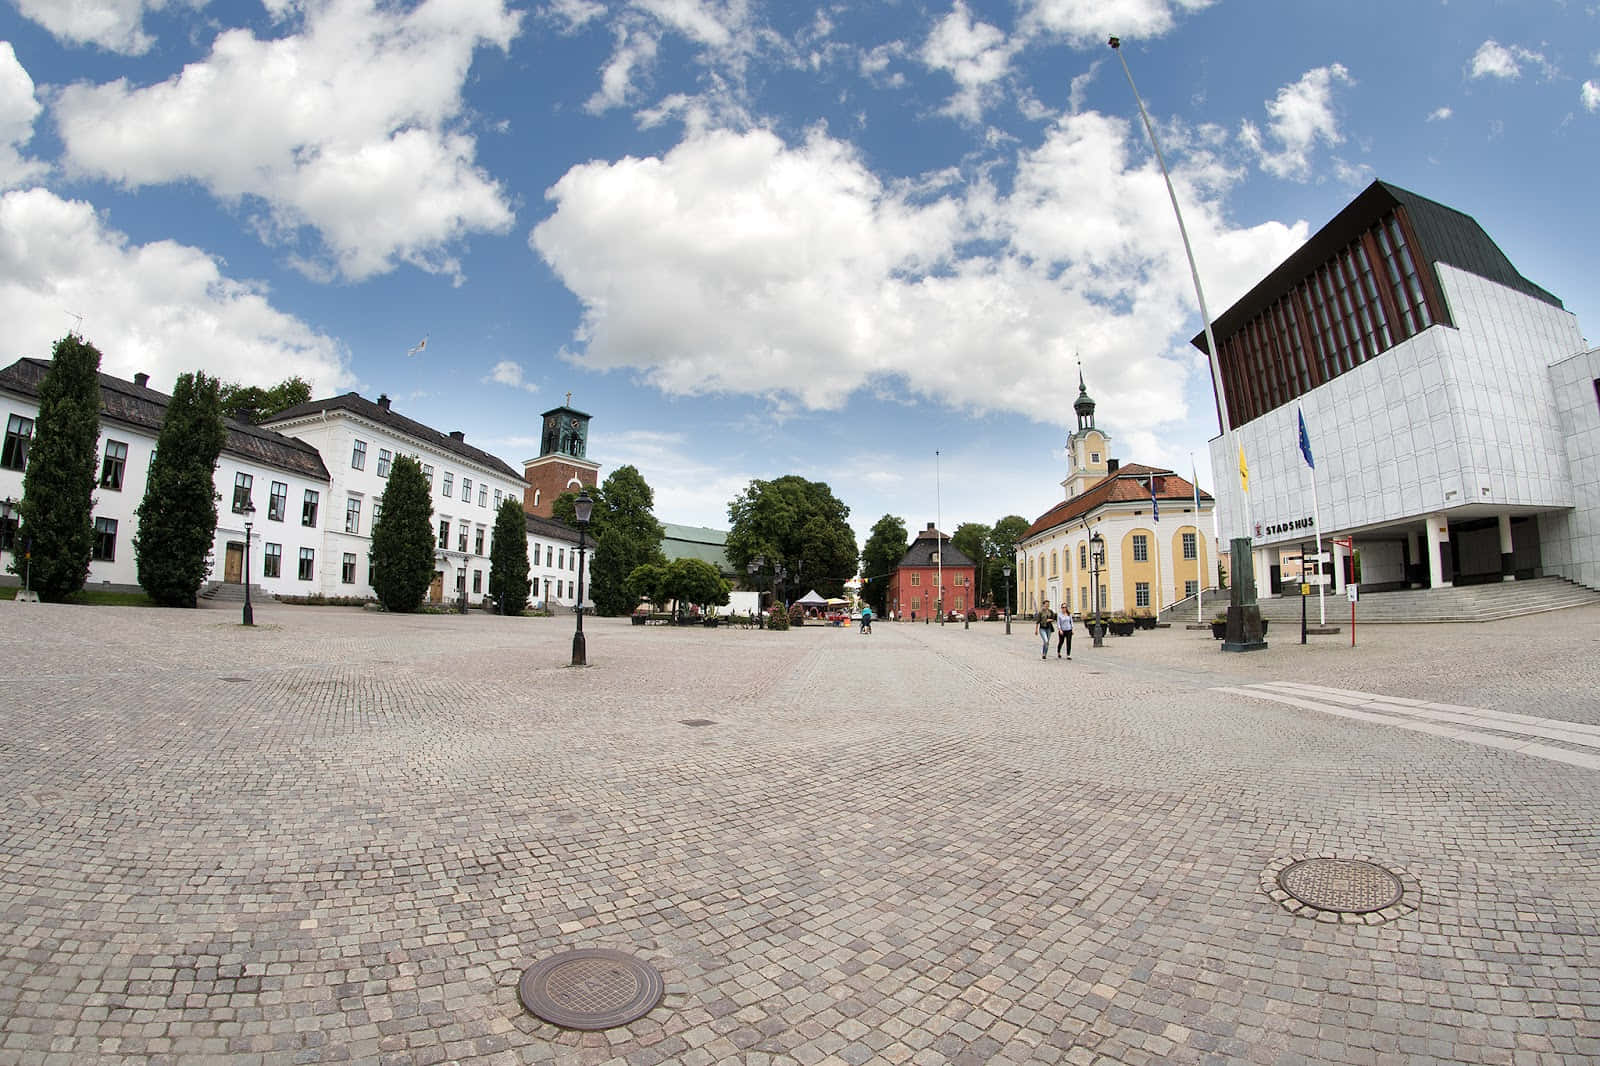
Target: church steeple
(1088, 448)
(1084, 405)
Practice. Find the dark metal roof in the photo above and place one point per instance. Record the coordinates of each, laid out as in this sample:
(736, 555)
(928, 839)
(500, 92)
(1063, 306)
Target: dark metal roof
(1444, 235)
(362, 407)
(144, 408)
(921, 551)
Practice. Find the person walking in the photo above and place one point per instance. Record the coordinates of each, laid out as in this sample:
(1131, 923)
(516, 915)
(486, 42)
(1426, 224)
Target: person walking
(1064, 628)
(1043, 623)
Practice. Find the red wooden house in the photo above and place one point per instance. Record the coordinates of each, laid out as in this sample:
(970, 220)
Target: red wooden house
(915, 590)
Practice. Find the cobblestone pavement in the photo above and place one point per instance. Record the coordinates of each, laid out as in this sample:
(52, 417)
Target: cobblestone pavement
(342, 836)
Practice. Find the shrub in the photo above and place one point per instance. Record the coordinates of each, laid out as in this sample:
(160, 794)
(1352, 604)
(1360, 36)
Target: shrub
(797, 616)
(777, 618)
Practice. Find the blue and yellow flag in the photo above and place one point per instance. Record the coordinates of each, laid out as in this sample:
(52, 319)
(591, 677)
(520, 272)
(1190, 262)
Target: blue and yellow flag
(1305, 441)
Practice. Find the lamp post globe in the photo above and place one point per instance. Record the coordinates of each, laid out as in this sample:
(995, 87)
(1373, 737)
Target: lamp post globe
(583, 510)
(249, 611)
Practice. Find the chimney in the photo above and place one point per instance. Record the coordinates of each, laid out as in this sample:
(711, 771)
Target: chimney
(142, 380)
(458, 436)
(930, 527)
(1111, 465)
(383, 400)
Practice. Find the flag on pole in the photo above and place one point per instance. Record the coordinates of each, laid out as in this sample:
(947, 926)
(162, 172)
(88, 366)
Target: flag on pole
(419, 346)
(1244, 471)
(1305, 441)
(1155, 508)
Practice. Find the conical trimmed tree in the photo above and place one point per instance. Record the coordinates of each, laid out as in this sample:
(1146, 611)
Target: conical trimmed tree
(402, 539)
(178, 515)
(508, 558)
(57, 509)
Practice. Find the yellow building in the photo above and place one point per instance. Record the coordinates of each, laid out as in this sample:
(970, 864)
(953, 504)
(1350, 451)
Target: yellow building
(1155, 527)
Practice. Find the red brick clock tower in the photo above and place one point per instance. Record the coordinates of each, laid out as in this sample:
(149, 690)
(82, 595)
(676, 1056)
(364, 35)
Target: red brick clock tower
(563, 445)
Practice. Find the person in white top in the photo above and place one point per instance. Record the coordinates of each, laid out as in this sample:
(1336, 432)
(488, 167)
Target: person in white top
(1064, 630)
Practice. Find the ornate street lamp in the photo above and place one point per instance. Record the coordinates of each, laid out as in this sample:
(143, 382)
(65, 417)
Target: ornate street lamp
(1006, 570)
(249, 513)
(582, 508)
(1097, 559)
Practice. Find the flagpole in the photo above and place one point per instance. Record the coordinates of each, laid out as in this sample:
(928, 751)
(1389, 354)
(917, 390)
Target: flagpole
(1199, 556)
(1316, 521)
(1155, 535)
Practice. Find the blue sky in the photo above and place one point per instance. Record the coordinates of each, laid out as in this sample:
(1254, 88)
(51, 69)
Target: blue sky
(753, 240)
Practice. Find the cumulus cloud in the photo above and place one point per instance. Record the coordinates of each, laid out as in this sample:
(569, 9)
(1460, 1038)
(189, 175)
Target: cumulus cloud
(1439, 114)
(509, 372)
(1090, 22)
(161, 307)
(1494, 60)
(974, 53)
(738, 263)
(115, 25)
(723, 34)
(1300, 115)
(18, 109)
(572, 15)
(1590, 95)
(343, 142)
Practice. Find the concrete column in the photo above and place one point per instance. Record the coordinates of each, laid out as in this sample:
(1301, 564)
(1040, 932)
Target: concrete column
(1261, 567)
(1336, 556)
(1437, 531)
(1506, 567)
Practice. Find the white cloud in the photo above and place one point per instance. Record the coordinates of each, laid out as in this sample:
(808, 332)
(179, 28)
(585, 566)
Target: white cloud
(508, 372)
(161, 307)
(1089, 23)
(350, 128)
(723, 34)
(1439, 114)
(736, 263)
(974, 53)
(18, 109)
(1494, 60)
(573, 15)
(115, 25)
(1297, 118)
(635, 51)
(1590, 95)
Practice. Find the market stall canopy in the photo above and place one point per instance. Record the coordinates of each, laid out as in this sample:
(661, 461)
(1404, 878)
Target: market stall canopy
(811, 599)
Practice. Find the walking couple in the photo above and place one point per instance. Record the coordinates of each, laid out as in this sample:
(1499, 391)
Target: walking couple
(1048, 621)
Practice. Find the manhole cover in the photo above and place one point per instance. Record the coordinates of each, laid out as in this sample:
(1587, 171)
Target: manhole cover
(697, 722)
(590, 988)
(1341, 889)
(1347, 885)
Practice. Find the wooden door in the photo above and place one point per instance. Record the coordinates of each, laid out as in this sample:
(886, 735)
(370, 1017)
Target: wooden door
(233, 566)
(436, 590)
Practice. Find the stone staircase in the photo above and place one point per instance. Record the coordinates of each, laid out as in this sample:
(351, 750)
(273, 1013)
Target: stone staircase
(1467, 603)
(228, 592)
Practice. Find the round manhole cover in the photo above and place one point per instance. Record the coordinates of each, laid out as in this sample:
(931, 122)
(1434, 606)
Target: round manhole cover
(590, 988)
(1346, 885)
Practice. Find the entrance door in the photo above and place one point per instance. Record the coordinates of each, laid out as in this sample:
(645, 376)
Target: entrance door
(436, 590)
(1055, 592)
(233, 565)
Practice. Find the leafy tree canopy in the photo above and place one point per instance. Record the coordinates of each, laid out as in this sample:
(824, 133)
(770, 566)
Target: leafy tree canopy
(799, 524)
(508, 558)
(886, 545)
(696, 582)
(250, 403)
(1003, 552)
(402, 538)
(58, 485)
(972, 539)
(178, 515)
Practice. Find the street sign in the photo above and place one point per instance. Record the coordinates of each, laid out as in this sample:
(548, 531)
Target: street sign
(1305, 590)
(1350, 591)
(1319, 579)
(1320, 557)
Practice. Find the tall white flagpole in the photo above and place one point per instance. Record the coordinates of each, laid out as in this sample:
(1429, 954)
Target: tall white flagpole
(1316, 521)
(1199, 556)
(938, 536)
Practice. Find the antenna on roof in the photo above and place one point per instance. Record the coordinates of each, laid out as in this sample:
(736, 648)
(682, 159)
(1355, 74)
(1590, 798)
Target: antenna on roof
(77, 318)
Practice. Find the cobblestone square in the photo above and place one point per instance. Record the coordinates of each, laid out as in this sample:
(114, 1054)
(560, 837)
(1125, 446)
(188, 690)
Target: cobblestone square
(342, 836)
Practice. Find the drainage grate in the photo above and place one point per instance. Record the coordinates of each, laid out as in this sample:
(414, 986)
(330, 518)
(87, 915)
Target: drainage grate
(590, 988)
(1331, 888)
(697, 722)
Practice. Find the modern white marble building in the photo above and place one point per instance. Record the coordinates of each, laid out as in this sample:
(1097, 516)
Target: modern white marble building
(1450, 406)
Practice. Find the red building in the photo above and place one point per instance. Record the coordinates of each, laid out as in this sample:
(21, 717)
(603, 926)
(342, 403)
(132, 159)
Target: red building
(914, 589)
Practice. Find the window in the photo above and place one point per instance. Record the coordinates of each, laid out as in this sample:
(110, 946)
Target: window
(916, 603)
(559, 592)
(112, 466)
(916, 578)
(960, 604)
(536, 547)
(444, 534)
(384, 457)
(8, 533)
(19, 431)
(358, 456)
(1083, 556)
(308, 510)
(1191, 588)
(352, 515)
(483, 495)
(427, 473)
(1141, 548)
(308, 562)
(1052, 564)
(1141, 593)
(377, 510)
(371, 568)
(447, 485)
(278, 501)
(461, 540)
(347, 571)
(1083, 597)
(497, 495)
(1189, 549)
(536, 497)
(272, 565)
(561, 559)
(466, 490)
(1094, 457)
(477, 542)
(477, 581)
(572, 559)
(241, 492)
(1597, 390)
(105, 539)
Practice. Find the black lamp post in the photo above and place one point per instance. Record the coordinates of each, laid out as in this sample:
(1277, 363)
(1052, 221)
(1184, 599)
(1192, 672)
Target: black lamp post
(582, 508)
(1006, 570)
(1097, 556)
(754, 568)
(249, 612)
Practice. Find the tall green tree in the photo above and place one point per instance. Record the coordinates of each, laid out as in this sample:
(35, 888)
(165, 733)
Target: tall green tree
(695, 582)
(253, 404)
(886, 545)
(623, 533)
(972, 539)
(178, 515)
(402, 539)
(799, 524)
(1003, 553)
(58, 485)
(508, 558)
